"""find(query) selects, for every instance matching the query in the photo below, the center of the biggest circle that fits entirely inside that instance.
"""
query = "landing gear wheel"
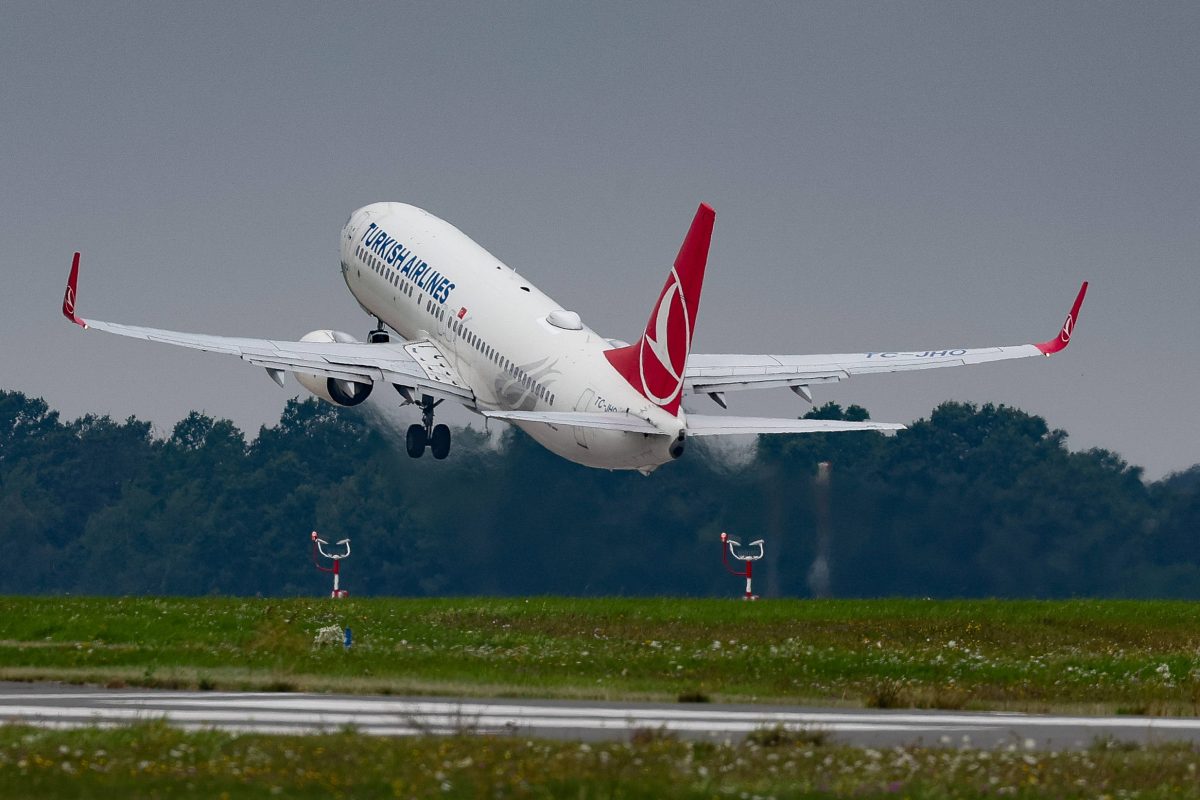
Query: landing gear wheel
(439, 442)
(424, 433)
(414, 441)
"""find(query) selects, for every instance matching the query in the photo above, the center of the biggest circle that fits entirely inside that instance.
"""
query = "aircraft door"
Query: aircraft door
(583, 436)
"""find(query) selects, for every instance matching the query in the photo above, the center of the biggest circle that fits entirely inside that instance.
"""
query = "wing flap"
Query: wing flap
(721, 372)
(704, 368)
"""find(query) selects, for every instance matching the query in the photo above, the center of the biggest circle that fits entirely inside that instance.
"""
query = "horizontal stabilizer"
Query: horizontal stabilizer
(697, 424)
(705, 425)
(578, 419)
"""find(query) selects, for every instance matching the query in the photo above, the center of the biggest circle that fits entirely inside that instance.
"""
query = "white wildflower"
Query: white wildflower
(331, 635)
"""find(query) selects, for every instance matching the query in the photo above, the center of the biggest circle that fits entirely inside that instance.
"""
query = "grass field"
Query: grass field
(1123, 656)
(153, 760)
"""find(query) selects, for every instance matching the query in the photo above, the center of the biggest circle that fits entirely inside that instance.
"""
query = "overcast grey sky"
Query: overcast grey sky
(886, 176)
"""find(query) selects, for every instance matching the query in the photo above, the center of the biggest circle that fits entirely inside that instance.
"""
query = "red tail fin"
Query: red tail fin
(655, 364)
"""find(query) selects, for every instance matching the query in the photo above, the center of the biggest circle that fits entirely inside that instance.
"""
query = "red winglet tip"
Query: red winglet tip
(68, 305)
(1064, 336)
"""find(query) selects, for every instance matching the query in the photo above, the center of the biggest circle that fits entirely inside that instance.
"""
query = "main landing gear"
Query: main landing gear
(425, 433)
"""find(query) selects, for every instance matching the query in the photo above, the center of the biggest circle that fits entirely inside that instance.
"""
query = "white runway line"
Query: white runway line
(282, 713)
(512, 711)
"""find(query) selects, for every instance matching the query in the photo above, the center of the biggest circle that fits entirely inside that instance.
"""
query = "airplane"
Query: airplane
(472, 330)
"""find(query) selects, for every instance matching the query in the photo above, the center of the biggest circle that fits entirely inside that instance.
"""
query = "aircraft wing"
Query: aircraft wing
(715, 374)
(419, 365)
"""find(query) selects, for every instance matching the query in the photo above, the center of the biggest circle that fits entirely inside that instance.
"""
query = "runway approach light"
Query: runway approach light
(748, 555)
(318, 548)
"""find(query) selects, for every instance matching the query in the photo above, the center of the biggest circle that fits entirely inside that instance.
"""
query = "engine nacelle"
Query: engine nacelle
(332, 390)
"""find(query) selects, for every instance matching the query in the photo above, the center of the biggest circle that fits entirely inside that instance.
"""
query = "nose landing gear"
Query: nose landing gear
(379, 335)
(425, 433)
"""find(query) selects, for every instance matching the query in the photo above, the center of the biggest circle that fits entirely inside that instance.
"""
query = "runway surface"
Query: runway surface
(56, 705)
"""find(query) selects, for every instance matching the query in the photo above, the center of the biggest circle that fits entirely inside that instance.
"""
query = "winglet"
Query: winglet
(68, 306)
(1064, 336)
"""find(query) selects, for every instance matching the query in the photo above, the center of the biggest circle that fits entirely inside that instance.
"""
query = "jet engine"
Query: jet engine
(333, 390)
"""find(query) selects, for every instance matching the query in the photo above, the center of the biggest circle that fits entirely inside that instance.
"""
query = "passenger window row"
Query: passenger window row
(389, 275)
(509, 368)
(455, 324)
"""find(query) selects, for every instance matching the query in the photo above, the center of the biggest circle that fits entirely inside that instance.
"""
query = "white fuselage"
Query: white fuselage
(427, 280)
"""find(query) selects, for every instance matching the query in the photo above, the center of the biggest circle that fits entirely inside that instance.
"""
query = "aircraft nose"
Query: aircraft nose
(362, 217)
(354, 221)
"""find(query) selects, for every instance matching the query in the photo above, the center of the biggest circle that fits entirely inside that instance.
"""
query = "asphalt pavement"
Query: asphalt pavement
(59, 705)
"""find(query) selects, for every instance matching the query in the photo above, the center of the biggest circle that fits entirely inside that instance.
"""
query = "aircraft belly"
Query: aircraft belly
(605, 449)
(584, 386)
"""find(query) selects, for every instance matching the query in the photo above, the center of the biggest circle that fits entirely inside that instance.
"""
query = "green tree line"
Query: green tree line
(972, 501)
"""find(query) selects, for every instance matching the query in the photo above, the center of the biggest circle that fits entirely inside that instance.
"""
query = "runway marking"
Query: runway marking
(275, 713)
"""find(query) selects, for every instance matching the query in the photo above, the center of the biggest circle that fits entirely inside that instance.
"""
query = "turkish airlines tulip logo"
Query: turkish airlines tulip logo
(663, 353)
(69, 301)
(1067, 327)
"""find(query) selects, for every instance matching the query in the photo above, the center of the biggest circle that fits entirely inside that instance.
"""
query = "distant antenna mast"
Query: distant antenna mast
(732, 547)
(318, 547)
